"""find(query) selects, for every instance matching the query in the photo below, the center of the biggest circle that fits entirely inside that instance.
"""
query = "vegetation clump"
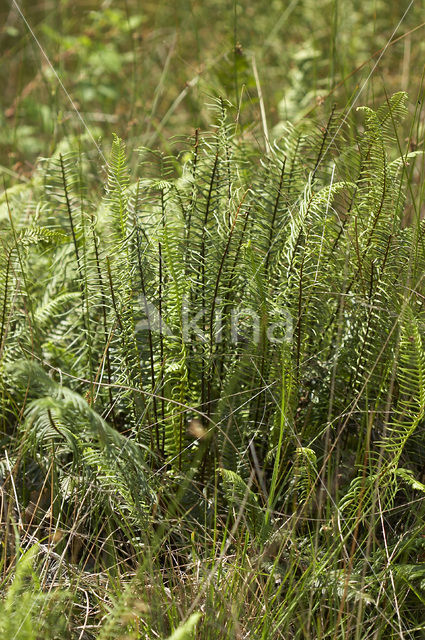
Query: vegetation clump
(212, 357)
(213, 386)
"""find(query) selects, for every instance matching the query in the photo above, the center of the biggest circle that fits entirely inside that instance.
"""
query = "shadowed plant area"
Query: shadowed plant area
(212, 357)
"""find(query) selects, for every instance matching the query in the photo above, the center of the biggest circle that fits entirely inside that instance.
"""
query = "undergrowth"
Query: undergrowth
(213, 388)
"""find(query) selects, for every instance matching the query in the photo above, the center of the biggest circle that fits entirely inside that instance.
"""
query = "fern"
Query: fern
(226, 337)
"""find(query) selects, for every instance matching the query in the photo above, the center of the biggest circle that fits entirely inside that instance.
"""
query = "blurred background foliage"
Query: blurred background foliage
(147, 69)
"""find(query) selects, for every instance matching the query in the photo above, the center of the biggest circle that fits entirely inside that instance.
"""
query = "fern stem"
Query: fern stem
(105, 324)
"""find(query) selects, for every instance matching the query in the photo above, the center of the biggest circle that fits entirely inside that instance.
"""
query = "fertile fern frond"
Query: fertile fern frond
(116, 188)
(410, 408)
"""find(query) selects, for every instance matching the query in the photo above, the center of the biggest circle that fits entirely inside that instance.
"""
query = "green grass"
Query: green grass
(212, 362)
